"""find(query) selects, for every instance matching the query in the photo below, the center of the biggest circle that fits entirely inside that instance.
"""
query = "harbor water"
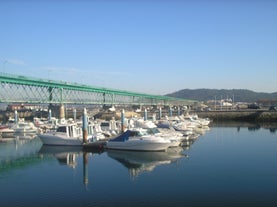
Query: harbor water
(225, 166)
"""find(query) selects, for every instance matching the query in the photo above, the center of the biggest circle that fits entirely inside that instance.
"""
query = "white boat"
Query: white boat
(109, 128)
(174, 137)
(67, 135)
(195, 120)
(138, 140)
(140, 123)
(6, 132)
(183, 127)
(24, 128)
(95, 132)
(6, 129)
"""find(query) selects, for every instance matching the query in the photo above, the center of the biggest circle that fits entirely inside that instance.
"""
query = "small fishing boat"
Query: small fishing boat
(138, 140)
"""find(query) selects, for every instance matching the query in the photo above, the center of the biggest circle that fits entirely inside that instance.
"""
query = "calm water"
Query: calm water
(227, 166)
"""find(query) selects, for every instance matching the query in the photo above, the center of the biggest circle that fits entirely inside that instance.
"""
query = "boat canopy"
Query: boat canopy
(122, 138)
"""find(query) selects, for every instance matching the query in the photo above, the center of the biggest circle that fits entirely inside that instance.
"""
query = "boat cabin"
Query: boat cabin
(70, 130)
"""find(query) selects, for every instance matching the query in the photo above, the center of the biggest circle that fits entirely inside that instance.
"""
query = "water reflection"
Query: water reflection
(10, 136)
(139, 162)
(18, 147)
(225, 168)
(66, 155)
(22, 152)
(135, 162)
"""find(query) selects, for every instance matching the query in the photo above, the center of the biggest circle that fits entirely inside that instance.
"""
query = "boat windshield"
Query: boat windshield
(142, 133)
(138, 133)
(153, 131)
(61, 129)
(104, 124)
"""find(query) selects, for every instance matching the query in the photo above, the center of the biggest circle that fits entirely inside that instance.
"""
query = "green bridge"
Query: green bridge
(22, 89)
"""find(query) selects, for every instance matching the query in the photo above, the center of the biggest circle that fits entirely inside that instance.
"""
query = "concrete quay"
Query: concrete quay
(245, 115)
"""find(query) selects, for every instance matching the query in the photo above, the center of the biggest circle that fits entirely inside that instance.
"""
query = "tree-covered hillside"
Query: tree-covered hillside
(240, 95)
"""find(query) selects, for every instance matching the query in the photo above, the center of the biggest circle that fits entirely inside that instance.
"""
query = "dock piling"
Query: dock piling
(122, 120)
(145, 114)
(74, 115)
(170, 111)
(15, 117)
(85, 126)
(49, 114)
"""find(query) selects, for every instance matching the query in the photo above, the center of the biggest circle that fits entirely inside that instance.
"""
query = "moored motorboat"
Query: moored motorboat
(67, 135)
(174, 137)
(24, 127)
(6, 131)
(138, 140)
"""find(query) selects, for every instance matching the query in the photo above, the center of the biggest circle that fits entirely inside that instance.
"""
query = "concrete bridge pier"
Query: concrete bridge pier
(62, 112)
(56, 111)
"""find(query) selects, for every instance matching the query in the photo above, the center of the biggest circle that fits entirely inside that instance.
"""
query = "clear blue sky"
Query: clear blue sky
(154, 47)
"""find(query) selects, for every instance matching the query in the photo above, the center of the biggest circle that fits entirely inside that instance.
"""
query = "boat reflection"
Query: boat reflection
(19, 136)
(139, 162)
(66, 155)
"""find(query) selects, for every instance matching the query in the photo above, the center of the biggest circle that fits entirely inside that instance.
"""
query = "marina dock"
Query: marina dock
(97, 145)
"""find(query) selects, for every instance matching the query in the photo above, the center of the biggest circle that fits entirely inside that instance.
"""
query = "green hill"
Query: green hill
(239, 95)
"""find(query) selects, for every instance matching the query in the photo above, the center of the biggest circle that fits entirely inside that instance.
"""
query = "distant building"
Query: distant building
(23, 107)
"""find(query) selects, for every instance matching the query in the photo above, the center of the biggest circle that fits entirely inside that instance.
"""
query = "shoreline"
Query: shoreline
(247, 115)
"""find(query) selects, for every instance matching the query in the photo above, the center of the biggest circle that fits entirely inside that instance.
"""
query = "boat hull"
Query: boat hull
(138, 145)
(48, 139)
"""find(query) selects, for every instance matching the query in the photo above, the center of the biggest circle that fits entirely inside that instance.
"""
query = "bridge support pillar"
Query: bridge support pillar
(62, 114)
